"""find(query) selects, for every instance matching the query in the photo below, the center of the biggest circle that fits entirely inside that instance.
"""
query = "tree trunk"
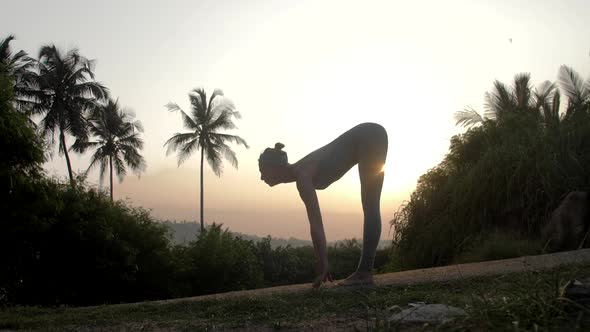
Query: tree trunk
(202, 221)
(62, 139)
(111, 169)
(202, 201)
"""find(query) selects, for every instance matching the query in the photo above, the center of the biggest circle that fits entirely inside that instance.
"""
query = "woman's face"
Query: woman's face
(270, 175)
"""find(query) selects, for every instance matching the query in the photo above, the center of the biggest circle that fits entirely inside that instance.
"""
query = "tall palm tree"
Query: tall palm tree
(19, 67)
(117, 141)
(64, 88)
(503, 100)
(204, 123)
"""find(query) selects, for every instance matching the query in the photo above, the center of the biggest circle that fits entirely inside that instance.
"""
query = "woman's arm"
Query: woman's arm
(318, 237)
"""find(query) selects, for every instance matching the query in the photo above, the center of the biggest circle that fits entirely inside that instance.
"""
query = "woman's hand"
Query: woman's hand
(324, 276)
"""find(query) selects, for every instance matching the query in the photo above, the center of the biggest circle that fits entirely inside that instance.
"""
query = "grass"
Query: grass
(515, 302)
(499, 245)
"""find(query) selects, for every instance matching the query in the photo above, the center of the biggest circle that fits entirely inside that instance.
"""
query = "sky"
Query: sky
(300, 73)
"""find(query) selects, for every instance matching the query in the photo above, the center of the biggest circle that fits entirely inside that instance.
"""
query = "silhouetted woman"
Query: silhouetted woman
(365, 145)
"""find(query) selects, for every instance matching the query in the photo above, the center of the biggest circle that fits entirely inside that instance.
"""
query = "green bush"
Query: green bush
(218, 261)
(508, 173)
(72, 245)
(288, 265)
(21, 152)
(285, 265)
(64, 245)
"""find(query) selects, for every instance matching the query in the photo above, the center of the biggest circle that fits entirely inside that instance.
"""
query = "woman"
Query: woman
(365, 145)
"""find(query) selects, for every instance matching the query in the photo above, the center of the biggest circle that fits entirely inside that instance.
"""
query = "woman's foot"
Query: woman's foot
(358, 279)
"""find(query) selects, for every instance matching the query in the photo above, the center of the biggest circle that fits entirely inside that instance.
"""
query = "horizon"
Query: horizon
(301, 74)
(178, 238)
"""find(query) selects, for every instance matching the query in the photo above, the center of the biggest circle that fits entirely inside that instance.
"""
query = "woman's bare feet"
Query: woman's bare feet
(358, 279)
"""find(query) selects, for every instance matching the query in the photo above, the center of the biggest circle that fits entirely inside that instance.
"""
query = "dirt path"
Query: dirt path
(437, 274)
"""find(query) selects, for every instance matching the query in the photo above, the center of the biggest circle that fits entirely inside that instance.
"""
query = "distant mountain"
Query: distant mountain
(186, 231)
(183, 231)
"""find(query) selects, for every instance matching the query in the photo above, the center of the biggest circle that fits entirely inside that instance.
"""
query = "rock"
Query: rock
(566, 230)
(427, 313)
(577, 291)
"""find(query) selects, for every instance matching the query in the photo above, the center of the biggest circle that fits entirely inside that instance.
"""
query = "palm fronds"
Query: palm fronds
(207, 117)
(573, 85)
(117, 141)
(468, 117)
(62, 91)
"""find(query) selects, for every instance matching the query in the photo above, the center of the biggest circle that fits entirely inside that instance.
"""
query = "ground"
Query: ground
(521, 293)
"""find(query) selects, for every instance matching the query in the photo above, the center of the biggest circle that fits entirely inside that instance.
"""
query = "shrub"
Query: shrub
(72, 245)
(218, 261)
(509, 173)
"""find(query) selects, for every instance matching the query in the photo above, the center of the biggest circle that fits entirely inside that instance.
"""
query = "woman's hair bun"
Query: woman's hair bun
(274, 156)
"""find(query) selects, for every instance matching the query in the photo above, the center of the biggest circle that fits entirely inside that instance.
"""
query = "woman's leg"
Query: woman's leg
(371, 176)
(371, 161)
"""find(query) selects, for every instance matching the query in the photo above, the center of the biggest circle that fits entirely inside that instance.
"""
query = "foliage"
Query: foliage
(72, 245)
(62, 90)
(508, 172)
(218, 261)
(117, 141)
(285, 265)
(18, 66)
(20, 148)
(60, 244)
(64, 245)
(14, 64)
(21, 157)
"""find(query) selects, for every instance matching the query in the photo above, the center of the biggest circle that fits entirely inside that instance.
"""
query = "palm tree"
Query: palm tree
(17, 63)
(19, 68)
(576, 90)
(503, 100)
(204, 123)
(118, 142)
(544, 100)
(64, 89)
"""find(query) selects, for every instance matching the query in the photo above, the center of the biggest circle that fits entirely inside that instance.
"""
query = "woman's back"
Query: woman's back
(333, 160)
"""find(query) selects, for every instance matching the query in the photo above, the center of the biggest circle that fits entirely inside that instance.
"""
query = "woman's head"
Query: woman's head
(272, 163)
(273, 156)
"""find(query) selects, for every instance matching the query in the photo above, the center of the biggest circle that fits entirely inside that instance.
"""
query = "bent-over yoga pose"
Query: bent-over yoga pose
(365, 145)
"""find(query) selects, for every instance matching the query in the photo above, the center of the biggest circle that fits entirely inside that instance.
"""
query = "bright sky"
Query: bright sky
(301, 72)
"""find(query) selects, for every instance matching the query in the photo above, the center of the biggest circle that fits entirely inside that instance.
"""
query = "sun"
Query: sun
(399, 177)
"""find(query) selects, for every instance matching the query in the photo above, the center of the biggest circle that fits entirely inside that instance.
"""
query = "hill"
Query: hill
(183, 232)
